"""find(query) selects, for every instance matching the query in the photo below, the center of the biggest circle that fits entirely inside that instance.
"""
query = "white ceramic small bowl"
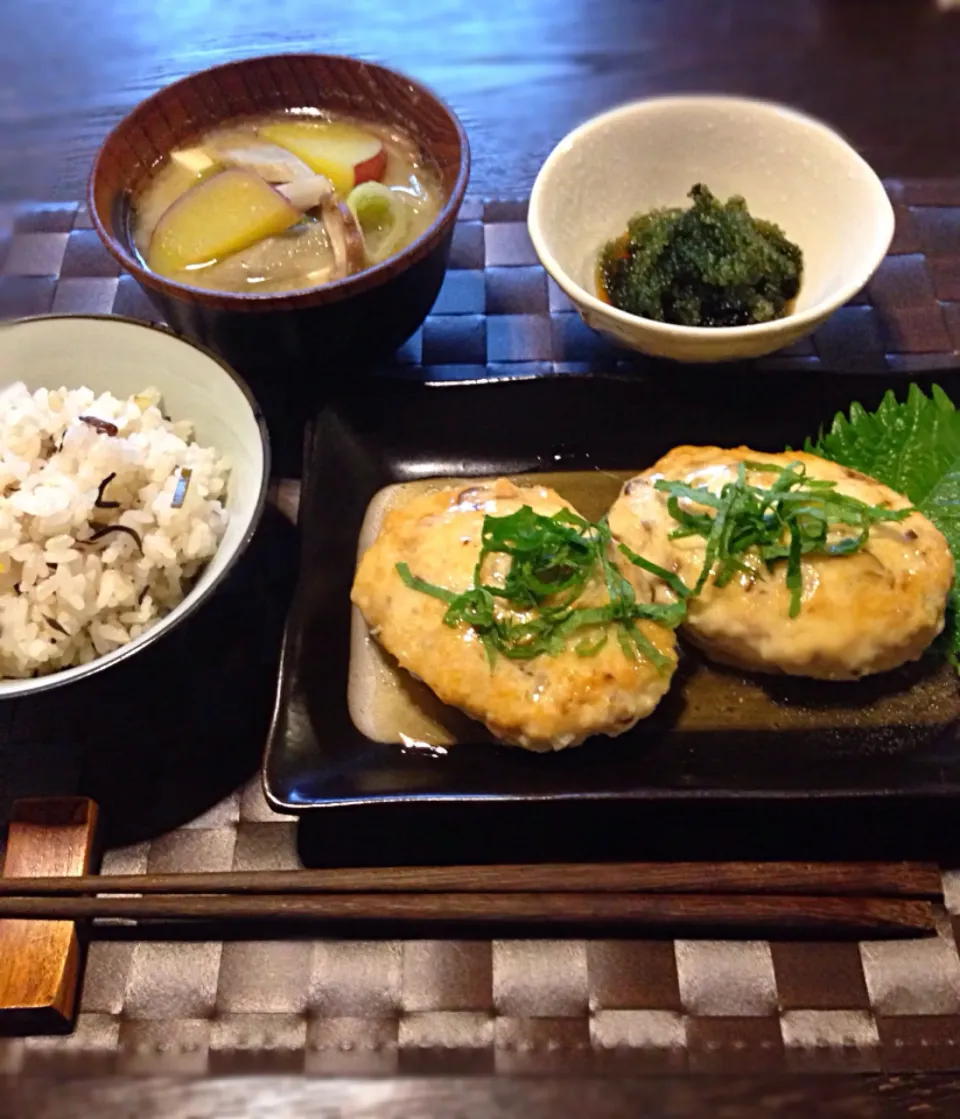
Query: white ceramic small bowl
(121, 356)
(791, 170)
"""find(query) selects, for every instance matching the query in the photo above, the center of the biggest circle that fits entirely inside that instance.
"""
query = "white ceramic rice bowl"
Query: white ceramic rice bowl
(790, 168)
(111, 354)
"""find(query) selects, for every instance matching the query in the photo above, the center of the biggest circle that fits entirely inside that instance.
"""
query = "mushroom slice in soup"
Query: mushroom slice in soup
(269, 161)
(346, 240)
(306, 194)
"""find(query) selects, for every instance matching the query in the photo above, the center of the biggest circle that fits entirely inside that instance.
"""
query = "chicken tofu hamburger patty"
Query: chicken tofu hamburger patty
(862, 613)
(545, 703)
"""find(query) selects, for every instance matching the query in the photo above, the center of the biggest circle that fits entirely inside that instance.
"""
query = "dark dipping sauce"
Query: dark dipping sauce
(711, 265)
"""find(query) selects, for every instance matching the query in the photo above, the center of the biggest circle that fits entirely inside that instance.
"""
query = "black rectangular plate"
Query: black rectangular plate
(391, 431)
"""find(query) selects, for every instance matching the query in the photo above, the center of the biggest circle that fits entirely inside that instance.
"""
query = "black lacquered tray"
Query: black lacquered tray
(718, 734)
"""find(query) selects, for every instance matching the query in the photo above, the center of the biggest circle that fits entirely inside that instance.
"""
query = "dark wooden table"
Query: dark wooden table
(288, 1097)
(520, 74)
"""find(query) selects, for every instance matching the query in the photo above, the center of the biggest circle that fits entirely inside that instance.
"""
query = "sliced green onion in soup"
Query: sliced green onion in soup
(383, 216)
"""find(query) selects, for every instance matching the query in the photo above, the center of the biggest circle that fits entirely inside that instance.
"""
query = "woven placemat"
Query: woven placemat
(169, 745)
(499, 312)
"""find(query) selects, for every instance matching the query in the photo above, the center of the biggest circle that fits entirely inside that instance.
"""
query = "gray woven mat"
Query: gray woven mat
(169, 745)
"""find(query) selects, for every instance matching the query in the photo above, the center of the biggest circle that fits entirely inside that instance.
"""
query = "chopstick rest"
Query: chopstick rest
(40, 962)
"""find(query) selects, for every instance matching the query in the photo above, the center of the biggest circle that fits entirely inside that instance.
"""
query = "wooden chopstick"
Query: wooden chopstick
(867, 879)
(654, 912)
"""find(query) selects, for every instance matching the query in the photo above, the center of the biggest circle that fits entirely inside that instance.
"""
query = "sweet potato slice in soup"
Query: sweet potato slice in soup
(217, 217)
(347, 155)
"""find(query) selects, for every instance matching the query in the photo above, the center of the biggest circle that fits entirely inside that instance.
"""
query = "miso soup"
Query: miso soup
(281, 202)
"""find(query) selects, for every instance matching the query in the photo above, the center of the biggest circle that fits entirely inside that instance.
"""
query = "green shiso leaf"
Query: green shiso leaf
(912, 446)
(551, 560)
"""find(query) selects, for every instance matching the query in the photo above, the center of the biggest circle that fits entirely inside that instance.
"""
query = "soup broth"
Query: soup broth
(282, 202)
